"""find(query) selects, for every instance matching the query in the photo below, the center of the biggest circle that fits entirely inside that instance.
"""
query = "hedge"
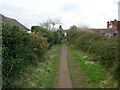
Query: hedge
(20, 50)
(104, 50)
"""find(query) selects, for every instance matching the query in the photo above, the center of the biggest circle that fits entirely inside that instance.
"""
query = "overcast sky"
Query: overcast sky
(94, 13)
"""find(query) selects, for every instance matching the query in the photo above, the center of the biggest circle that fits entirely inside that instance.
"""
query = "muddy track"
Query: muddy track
(64, 80)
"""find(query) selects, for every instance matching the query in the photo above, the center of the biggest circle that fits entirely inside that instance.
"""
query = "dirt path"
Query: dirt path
(64, 80)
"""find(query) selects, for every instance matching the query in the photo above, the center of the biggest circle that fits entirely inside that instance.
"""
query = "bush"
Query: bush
(53, 37)
(105, 50)
(19, 51)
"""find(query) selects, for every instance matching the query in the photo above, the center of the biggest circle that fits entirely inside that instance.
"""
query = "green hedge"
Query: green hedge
(104, 50)
(19, 51)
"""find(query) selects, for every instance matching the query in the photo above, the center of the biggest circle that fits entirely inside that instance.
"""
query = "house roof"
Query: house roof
(12, 21)
(64, 31)
(109, 31)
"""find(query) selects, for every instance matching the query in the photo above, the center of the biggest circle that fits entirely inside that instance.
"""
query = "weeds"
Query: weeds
(96, 75)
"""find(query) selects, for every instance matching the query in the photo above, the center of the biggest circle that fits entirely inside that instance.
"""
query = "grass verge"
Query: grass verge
(44, 74)
(87, 74)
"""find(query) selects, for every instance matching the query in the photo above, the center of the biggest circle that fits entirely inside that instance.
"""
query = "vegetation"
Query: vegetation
(104, 50)
(50, 24)
(53, 36)
(44, 74)
(26, 63)
(19, 51)
(88, 74)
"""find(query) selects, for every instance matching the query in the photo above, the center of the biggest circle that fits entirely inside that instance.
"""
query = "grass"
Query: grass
(87, 74)
(43, 75)
(77, 78)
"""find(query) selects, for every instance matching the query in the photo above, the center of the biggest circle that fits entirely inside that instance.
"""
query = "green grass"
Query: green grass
(95, 76)
(77, 77)
(43, 75)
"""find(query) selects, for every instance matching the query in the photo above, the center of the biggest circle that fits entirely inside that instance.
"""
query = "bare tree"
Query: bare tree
(45, 24)
(50, 23)
(83, 27)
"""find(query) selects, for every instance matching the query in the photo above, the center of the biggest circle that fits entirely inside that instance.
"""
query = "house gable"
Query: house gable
(12, 21)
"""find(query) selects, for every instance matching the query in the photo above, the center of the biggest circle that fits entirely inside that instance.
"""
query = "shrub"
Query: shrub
(53, 37)
(19, 51)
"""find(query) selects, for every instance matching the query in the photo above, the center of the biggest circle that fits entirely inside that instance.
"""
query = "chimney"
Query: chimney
(108, 25)
(115, 24)
(111, 25)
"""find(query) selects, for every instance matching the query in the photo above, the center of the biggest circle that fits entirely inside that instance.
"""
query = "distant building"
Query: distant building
(107, 33)
(62, 32)
(112, 28)
(113, 25)
(65, 32)
(12, 21)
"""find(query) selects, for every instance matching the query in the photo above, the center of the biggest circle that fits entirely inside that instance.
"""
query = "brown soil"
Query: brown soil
(64, 80)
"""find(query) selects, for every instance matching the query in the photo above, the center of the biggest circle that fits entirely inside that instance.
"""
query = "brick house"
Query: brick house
(107, 32)
(113, 25)
(112, 29)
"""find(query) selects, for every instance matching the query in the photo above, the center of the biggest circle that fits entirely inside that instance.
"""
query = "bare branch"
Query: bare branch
(50, 23)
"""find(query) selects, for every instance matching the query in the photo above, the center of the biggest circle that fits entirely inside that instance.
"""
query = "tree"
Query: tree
(73, 27)
(83, 27)
(49, 24)
(37, 29)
